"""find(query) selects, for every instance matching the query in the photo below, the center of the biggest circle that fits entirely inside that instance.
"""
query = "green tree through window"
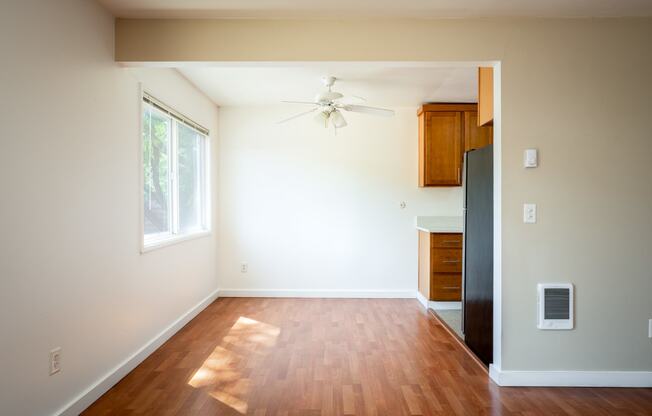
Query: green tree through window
(174, 176)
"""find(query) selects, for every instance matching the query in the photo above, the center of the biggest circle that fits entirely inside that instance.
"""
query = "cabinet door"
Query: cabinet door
(485, 95)
(476, 137)
(443, 148)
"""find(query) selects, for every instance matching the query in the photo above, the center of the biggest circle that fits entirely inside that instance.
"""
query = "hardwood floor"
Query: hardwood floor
(333, 357)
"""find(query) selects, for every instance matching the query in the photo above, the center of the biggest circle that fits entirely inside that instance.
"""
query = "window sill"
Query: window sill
(171, 240)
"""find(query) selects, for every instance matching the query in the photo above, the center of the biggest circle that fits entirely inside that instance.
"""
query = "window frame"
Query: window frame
(174, 235)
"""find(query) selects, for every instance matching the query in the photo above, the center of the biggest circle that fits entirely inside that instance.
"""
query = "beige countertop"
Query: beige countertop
(440, 224)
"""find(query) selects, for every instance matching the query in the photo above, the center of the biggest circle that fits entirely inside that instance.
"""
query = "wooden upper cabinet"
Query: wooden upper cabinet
(441, 143)
(442, 147)
(485, 96)
(446, 131)
(476, 137)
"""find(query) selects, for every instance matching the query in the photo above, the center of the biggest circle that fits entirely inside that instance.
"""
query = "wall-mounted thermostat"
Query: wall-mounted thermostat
(530, 158)
(555, 304)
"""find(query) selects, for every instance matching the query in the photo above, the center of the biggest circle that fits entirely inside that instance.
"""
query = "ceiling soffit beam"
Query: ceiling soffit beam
(206, 40)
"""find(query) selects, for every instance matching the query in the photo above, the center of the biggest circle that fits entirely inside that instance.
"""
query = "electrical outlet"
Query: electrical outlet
(649, 328)
(244, 267)
(55, 360)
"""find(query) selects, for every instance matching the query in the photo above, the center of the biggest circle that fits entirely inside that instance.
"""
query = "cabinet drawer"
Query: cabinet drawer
(446, 260)
(450, 240)
(446, 286)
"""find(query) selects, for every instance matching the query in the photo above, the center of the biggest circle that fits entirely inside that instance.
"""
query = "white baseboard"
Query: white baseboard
(445, 306)
(436, 305)
(571, 378)
(94, 392)
(292, 293)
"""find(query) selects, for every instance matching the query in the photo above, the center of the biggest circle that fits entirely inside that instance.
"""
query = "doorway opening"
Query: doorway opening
(354, 185)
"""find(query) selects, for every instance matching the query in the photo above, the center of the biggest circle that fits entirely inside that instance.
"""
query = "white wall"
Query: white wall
(310, 210)
(71, 274)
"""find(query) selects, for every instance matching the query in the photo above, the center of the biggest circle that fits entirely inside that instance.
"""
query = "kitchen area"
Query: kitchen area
(455, 272)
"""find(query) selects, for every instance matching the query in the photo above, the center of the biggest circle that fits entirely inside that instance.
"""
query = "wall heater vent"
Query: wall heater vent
(555, 305)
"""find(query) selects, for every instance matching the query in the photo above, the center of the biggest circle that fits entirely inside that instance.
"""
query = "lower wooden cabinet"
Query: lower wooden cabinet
(440, 266)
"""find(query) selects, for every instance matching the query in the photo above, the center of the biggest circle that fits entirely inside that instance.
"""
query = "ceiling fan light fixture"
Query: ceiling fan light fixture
(329, 109)
(338, 119)
(323, 117)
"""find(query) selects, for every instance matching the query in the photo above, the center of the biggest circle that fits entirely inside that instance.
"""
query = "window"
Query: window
(175, 192)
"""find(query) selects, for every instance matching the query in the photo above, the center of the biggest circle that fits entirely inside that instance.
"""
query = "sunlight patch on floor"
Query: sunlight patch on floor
(219, 375)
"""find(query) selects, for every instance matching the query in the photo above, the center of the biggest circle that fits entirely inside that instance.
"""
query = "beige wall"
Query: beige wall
(579, 90)
(71, 272)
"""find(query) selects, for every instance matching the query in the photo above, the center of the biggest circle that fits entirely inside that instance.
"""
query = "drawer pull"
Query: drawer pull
(450, 242)
(451, 261)
(450, 287)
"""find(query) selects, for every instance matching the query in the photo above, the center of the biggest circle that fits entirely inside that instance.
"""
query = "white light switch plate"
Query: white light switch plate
(529, 213)
(530, 158)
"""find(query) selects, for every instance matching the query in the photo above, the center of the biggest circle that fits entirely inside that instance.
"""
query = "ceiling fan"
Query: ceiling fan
(329, 105)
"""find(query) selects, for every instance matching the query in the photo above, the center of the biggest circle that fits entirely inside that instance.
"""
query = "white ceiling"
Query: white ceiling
(391, 85)
(375, 8)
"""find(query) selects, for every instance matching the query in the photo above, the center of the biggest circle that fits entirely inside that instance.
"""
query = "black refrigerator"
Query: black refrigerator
(477, 277)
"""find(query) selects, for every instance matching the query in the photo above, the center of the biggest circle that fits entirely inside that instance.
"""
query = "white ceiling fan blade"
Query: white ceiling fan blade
(352, 99)
(338, 119)
(298, 115)
(368, 110)
(301, 102)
